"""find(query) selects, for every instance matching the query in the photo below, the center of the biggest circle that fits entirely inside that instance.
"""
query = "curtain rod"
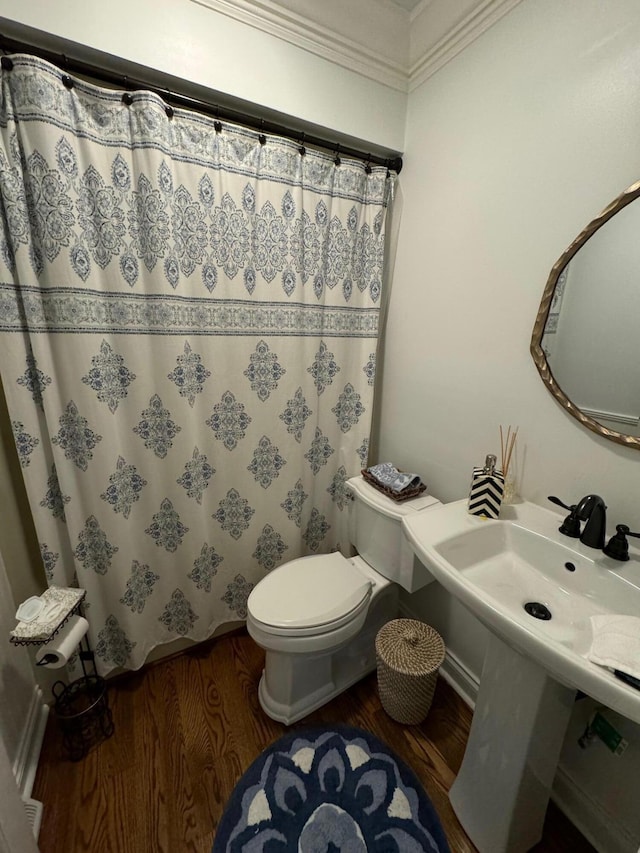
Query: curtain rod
(179, 99)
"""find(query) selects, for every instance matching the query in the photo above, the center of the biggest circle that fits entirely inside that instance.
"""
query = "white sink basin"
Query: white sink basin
(496, 567)
(532, 667)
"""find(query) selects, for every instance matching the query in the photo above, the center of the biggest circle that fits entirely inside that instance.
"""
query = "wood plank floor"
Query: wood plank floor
(188, 727)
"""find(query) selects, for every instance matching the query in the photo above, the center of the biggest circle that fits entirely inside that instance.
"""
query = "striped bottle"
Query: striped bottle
(487, 488)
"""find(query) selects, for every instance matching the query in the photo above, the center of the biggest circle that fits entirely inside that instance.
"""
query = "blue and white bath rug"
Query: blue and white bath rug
(337, 790)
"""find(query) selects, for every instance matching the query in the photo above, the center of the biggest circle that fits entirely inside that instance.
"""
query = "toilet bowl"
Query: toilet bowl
(317, 617)
(311, 604)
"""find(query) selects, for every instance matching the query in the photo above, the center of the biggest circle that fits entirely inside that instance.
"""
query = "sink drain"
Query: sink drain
(538, 610)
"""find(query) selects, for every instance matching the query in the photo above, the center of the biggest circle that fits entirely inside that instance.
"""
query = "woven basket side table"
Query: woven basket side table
(409, 654)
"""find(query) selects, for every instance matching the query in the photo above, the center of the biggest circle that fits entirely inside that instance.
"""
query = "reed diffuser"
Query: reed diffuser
(507, 444)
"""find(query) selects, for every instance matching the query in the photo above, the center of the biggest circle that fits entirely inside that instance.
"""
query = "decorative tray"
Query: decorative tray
(59, 604)
(398, 497)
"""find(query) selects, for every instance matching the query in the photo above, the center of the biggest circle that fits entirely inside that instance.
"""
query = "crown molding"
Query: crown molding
(483, 16)
(346, 51)
(302, 32)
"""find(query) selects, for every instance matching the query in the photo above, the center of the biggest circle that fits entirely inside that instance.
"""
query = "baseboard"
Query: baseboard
(461, 679)
(598, 826)
(26, 761)
(454, 672)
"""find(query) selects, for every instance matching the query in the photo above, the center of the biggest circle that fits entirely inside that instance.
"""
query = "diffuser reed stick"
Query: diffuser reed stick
(507, 443)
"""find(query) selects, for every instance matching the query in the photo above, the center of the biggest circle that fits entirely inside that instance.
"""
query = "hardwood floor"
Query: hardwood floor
(188, 727)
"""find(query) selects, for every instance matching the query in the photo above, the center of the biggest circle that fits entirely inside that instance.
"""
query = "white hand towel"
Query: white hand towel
(616, 642)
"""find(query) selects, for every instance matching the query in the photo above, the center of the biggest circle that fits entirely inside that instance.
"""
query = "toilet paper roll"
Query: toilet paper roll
(56, 654)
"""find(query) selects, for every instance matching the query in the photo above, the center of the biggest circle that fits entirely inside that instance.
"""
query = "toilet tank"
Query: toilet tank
(375, 531)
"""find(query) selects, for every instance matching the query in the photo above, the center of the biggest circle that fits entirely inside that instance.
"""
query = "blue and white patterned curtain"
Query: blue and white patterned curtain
(188, 329)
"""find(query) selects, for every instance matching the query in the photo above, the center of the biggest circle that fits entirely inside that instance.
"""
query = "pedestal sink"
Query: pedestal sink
(535, 590)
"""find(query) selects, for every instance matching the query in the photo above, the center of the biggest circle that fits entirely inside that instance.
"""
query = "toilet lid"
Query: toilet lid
(308, 592)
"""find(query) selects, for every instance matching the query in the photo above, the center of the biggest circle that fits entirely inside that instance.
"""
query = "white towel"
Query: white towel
(616, 642)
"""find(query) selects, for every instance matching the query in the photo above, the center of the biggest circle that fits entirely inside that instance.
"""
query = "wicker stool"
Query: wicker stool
(409, 654)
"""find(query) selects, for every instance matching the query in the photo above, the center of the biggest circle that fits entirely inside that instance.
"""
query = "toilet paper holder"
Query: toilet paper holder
(66, 643)
(81, 707)
(74, 608)
(83, 713)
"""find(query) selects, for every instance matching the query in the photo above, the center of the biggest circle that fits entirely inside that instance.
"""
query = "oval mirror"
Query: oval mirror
(585, 341)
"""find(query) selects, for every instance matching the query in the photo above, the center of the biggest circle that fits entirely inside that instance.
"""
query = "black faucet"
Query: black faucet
(617, 547)
(592, 509)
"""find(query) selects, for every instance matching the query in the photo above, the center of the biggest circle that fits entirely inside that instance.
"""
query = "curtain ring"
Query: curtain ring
(337, 159)
(127, 98)
(367, 165)
(262, 139)
(67, 81)
(6, 63)
(168, 109)
(217, 124)
(302, 149)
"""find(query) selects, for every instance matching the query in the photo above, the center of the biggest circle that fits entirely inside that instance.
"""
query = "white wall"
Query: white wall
(21, 730)
(15, 832)
(511, 149)
(17, 680)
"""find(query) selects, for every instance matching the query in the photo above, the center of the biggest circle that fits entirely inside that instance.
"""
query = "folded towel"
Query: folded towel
(387, 475)
(616, 642)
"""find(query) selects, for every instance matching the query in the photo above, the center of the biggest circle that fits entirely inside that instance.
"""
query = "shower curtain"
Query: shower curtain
(188, 330)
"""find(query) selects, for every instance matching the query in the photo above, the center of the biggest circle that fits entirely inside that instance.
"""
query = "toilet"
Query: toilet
(317, 617)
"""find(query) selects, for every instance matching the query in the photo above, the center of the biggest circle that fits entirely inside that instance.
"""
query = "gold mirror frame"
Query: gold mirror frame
(625, 198)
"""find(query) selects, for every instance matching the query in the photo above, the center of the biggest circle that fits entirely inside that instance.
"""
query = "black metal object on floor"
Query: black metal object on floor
(82, 708)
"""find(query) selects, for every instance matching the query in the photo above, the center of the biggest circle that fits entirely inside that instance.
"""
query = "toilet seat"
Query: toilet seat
(309, 596)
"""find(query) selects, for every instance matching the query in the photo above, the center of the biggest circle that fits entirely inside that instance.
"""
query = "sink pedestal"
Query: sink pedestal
(501, 792)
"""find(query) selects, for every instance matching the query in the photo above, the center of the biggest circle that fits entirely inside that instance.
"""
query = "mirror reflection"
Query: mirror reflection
(585, 342)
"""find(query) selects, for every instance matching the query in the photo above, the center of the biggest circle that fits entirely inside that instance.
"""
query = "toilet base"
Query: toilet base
(294, 685)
